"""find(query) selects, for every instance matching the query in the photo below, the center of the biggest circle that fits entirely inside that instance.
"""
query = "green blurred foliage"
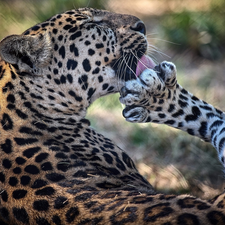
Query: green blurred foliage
(18, 15)
(202, 33)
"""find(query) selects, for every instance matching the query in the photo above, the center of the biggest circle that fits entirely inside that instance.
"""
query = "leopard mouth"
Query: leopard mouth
(144, 62)
(132, 67)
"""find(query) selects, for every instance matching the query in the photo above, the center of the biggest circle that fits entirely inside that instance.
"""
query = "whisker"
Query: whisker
(170, 42)
(130, 68)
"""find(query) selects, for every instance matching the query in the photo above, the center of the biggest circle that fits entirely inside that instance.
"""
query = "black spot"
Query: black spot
(142, 200)
(91, 91)
(31, 169)
(71, 214)
(39, 183)
(80, 173)
(30, 152)
(169, 122)
(6, 163)
(73, 94)
(107, 185)
(120, 164)
(99, 45)
(90, 204)
(193, 117)
(86, 65)
(4, 196)
(106, 59)
(56, 220)
(7, 87)
(62, 52)
(54, 177)
(72, 30)
(25, 180)
(6, 122)
(36, 96)
(28, 130)
(203, 129)
(25, 141)
(128, 161)
(87, 43)
(104, 86)
(190, 131)
(5, 214)
(67, 27)
(108, 158)
(96, 70)
(182, 104)
(10, 106)
(83, 197)
(216, 217)
(45, 191)
(18, 194)
(178, 113)
(10, 98)
(221, 145)
(71, 64)
(216, 124)
(2, 177)
(75, 35)
(21, 215)
(13, 181)
(46, 166)
(41, 205)
(91, 52)
(61, 155)
(161, 115)
(54, 31)
(42, 221)
(7, 146)
(93, 36)
(21, 114)
(98, 63)
(62, 80)
(187, 219)
(55, 71)
(20, 160)
(60, 64)
(100, 79)
(206, 107)
(17, 170)
(56, 47)
(186, 203)
(70, 78)
(60, 202)
(43, 25)
(125, 216)
(42, 156)
(151, 214)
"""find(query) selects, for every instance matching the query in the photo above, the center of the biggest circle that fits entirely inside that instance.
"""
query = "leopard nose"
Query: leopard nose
(140, 27)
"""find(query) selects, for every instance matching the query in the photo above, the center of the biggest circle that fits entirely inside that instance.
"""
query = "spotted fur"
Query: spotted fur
(54, 168)
(157, 97)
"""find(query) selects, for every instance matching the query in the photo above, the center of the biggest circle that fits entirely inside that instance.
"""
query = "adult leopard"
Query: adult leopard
(54, 168)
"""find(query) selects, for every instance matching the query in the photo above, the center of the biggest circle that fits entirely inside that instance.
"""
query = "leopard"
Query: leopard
(55, 169)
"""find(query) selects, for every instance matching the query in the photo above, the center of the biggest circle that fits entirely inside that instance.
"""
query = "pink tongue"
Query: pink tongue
(144, 63)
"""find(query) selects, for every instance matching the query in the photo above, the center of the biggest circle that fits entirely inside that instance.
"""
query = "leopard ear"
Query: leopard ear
(28, 52)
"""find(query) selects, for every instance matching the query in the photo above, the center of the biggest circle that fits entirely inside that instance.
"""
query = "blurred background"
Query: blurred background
(189, 33)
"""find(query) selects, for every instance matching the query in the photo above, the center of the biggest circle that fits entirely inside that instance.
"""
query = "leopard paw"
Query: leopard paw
(136, 114)
(151, 83)
(167, 72)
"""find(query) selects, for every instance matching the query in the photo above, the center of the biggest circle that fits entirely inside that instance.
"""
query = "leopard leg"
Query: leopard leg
(155, 96)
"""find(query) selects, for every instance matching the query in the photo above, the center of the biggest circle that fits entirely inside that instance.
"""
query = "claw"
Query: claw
(123, 92)
(160, 72)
